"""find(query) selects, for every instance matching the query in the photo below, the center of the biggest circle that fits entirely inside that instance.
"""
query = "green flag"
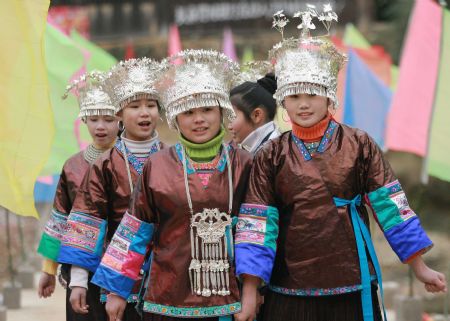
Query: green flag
(354, 38)
(99, 58)
(247, 56)
(63, 59)
(439, 153)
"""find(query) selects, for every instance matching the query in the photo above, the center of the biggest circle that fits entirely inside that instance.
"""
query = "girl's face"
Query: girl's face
(240, 127)
(200, 125)
(307, 110)
(139, 119)
(103, 130)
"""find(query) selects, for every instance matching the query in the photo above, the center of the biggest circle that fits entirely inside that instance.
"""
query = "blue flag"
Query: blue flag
(367, 99)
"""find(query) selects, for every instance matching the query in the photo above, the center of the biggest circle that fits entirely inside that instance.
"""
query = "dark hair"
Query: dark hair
(250, 95)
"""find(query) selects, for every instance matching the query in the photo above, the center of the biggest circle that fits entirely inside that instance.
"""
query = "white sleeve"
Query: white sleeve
(78, 277)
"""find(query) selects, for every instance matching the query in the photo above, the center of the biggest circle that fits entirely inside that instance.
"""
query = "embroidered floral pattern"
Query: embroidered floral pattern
(309, 149)
(214, 311)
(205, 170)
(255, 210)
(133, 298)
(251, 225)
(190, 168)
(327, 136)
(83, 231)
(137, 162)
(117, 253)
(319, 291)
(397, 195)
(57, 225)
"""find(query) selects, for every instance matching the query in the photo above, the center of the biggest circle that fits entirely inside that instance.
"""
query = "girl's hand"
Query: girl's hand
(115, 306)
(249, 306)
(434, 281)
(46, 285)
(249, 299)
(78, 300)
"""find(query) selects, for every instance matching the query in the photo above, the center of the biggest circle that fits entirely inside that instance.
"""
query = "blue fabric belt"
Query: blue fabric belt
(362, 237)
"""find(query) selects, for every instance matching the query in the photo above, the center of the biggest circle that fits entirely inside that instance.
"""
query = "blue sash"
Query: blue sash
(362, 237)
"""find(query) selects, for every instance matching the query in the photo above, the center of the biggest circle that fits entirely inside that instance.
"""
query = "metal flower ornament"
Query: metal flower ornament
(327, 16)
(279, 22)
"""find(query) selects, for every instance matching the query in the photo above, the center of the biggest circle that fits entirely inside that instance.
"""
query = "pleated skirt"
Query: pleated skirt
(344, 307)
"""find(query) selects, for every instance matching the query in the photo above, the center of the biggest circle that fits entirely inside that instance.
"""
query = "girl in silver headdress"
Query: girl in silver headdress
(185, 203)
(98, 113)
(105, 192)
(303, 227)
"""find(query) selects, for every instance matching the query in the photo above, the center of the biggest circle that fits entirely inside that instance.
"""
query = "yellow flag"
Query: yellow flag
(26, 120)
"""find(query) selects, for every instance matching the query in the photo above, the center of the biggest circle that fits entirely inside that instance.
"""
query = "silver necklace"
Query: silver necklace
(91, 153)
(210, 269)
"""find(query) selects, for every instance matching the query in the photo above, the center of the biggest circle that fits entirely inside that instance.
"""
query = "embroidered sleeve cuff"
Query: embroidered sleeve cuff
(125, 256)
(112, 281)
(53, 233)
(400, 224)
(256, 237)
(408, 239)
(83, 242)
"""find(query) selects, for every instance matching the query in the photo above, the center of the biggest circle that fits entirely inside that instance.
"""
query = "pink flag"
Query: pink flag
(409, 118)
(174, 42)
(228, 44)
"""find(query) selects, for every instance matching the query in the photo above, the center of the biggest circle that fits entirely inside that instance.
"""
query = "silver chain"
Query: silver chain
(127, 165)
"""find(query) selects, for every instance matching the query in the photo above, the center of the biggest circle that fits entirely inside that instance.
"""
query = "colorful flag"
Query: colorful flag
(64, 59)
(228, 44)
(420, 111)
(247, 56)
(439, 152)
(174, 45)
(409, 118)
(367, 99)
(26, 129)
(354, 38)
(99, 59)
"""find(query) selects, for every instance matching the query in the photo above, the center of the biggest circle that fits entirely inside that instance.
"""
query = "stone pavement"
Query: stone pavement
(36, 309)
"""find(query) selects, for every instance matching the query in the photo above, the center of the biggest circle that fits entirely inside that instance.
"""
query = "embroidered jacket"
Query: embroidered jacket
(159, 213)
(98, 208)
(290, 232)
(70, 179)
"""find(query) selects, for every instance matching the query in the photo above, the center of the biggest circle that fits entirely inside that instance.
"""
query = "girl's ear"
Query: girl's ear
(258, 116)
(331, 106)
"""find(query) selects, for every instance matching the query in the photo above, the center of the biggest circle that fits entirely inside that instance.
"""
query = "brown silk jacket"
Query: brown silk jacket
(316, 248)
(160, 201)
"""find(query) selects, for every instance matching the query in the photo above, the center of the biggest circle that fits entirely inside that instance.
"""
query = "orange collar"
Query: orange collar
(313, 133)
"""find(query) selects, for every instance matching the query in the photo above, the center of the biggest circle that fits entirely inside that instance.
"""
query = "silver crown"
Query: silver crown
(92, 99)
(306, 64)
(193, 79)
(252, 71)
(130, 80)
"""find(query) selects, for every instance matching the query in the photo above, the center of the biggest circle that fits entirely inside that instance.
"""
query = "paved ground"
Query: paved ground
(35, 309)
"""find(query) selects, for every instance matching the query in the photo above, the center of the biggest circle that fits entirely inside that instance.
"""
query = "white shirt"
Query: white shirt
(140, 148)
(254, 141)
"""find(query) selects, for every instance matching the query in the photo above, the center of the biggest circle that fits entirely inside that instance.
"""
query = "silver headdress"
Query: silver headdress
(308, 64)
(92, 99)
(202, 78)
(252, 71)
(130, 80)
